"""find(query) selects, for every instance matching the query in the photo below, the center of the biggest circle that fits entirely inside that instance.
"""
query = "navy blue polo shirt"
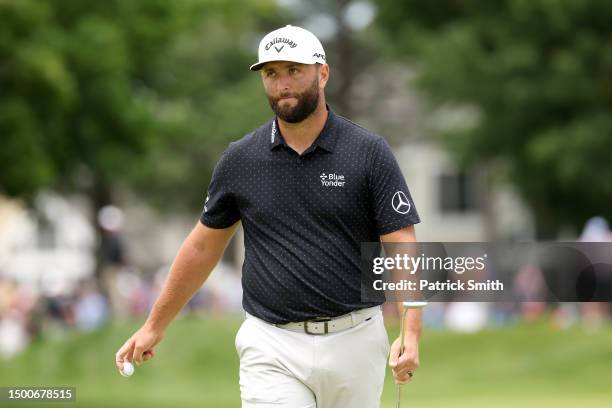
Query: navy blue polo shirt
(305, 216)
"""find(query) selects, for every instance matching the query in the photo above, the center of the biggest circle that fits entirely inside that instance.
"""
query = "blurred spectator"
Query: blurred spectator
(594, 314)
(16, 306)
(13, 335)
(529, 285)
(110, 219)
(124, 288)
(117, 279)
(596, 229)
(91, 310)
(503, 314)
(434, 315)
(467, 317)
(565, 315)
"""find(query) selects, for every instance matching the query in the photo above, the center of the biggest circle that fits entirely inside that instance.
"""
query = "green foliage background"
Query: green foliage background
(538, 73)
(141, 93)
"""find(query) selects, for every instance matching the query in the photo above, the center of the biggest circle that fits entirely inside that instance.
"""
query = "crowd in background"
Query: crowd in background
(124, 292)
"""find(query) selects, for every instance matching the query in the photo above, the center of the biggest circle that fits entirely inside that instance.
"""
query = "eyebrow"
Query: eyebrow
(283, 67)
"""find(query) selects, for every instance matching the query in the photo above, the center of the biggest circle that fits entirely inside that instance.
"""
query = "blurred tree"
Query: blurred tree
(115, 96)
(537, 75)
(141, 94)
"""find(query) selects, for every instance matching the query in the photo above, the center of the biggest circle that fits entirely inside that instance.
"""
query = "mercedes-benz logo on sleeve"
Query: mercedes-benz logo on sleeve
(400, 202)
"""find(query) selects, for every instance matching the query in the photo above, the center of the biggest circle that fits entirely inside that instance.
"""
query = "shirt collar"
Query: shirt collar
(326, 140)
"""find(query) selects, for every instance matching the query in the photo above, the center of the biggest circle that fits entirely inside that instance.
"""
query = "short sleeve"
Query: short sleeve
(391, 201)
(220, 209)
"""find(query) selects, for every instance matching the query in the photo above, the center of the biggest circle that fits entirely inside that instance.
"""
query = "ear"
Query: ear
(323, 72)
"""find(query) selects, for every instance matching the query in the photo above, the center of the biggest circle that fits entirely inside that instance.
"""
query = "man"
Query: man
(308, 186)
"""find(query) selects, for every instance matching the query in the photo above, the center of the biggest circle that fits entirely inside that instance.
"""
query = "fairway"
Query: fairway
(196, 366)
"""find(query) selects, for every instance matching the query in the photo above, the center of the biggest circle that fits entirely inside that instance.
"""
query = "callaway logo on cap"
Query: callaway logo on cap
(290, 43)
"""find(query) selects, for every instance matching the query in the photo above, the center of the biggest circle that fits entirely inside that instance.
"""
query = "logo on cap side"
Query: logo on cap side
(317, 55)
(278, 40)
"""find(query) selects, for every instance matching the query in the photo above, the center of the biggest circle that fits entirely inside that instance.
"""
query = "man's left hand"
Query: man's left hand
(404, 367)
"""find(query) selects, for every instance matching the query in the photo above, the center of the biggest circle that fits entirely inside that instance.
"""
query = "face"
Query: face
(293, 89)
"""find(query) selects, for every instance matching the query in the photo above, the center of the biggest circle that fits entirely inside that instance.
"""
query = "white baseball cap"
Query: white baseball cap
(290, 43)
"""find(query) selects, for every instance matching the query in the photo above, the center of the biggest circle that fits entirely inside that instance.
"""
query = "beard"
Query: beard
(307, 102)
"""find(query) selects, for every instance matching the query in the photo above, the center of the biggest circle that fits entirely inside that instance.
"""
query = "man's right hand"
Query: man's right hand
(139, 348)
(196, 258)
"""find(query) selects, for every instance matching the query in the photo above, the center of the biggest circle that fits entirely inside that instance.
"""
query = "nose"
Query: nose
(283, 83)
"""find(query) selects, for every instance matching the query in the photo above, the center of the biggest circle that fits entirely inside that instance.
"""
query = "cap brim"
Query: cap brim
(259, 65)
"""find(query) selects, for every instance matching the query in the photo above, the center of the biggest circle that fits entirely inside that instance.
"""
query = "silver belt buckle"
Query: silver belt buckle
(324, 320)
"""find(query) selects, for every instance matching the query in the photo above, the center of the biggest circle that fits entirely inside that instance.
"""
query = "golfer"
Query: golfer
(308, 186)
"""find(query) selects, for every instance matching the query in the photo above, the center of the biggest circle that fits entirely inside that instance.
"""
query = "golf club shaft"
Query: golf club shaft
(398, 396)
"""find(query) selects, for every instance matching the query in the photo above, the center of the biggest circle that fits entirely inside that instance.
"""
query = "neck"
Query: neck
(301, 135)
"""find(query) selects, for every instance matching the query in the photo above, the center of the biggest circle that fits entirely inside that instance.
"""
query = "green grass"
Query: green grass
(197, 366)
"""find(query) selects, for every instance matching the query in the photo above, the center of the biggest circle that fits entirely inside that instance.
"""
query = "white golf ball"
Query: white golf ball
(128, 369)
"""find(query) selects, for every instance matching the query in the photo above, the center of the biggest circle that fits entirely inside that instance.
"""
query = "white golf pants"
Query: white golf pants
(280, 368)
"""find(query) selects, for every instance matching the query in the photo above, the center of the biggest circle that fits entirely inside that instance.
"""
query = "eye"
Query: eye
(293, 70)
(269, 74)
